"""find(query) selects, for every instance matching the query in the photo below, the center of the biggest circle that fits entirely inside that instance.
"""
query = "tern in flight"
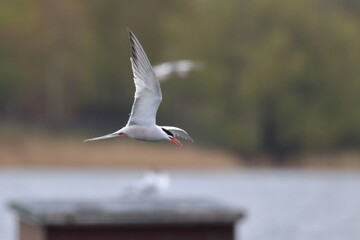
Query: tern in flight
(142, 122)
(181, 68)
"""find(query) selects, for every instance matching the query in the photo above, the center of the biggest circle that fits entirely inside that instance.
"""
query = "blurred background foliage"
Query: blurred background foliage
(281, 77)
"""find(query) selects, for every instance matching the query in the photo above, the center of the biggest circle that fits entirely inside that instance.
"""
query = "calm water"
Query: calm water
(281, 205)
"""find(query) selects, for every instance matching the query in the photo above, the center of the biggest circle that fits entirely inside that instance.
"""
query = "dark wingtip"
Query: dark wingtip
(131, 34)
(132, 44)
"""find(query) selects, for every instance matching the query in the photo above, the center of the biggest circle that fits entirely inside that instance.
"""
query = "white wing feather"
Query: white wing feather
(178, 132)
(148, 93)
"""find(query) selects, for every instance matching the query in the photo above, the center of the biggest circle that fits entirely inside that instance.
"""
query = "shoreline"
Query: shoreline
(47, 151)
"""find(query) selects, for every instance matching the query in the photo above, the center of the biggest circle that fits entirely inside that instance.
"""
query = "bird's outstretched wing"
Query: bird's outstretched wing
(178, 132)
(148, 93)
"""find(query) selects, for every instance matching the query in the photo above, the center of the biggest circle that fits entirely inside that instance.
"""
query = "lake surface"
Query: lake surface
(280, 204)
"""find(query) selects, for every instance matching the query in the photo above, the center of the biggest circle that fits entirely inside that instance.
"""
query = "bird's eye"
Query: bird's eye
(121, 133)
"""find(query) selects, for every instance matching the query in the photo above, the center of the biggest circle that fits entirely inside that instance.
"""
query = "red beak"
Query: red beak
(175, 141)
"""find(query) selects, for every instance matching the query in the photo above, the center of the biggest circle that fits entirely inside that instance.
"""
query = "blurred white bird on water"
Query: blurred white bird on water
(153, 183)
(181, 68)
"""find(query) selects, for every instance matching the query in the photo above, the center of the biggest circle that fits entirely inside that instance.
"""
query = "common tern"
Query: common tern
(142, 122)
(151, 184)
(181, 68)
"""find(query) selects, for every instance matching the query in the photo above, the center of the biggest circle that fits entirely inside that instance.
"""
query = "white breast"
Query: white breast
(149, 133)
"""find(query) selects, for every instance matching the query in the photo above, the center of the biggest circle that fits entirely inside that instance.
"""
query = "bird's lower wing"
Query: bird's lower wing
(178, 132)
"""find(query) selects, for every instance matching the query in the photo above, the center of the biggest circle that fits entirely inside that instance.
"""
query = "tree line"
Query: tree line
(281, 76)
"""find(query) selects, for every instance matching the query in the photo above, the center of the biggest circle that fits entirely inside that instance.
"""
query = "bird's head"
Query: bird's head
(171, 137)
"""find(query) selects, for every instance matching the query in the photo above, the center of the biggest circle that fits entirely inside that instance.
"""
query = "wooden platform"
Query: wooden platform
(129, 219)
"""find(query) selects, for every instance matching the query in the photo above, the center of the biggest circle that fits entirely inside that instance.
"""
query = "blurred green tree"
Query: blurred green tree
(281, 76)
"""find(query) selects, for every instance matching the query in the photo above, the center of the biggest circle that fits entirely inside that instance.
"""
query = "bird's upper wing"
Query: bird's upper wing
(178, 132)
(148, 93)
